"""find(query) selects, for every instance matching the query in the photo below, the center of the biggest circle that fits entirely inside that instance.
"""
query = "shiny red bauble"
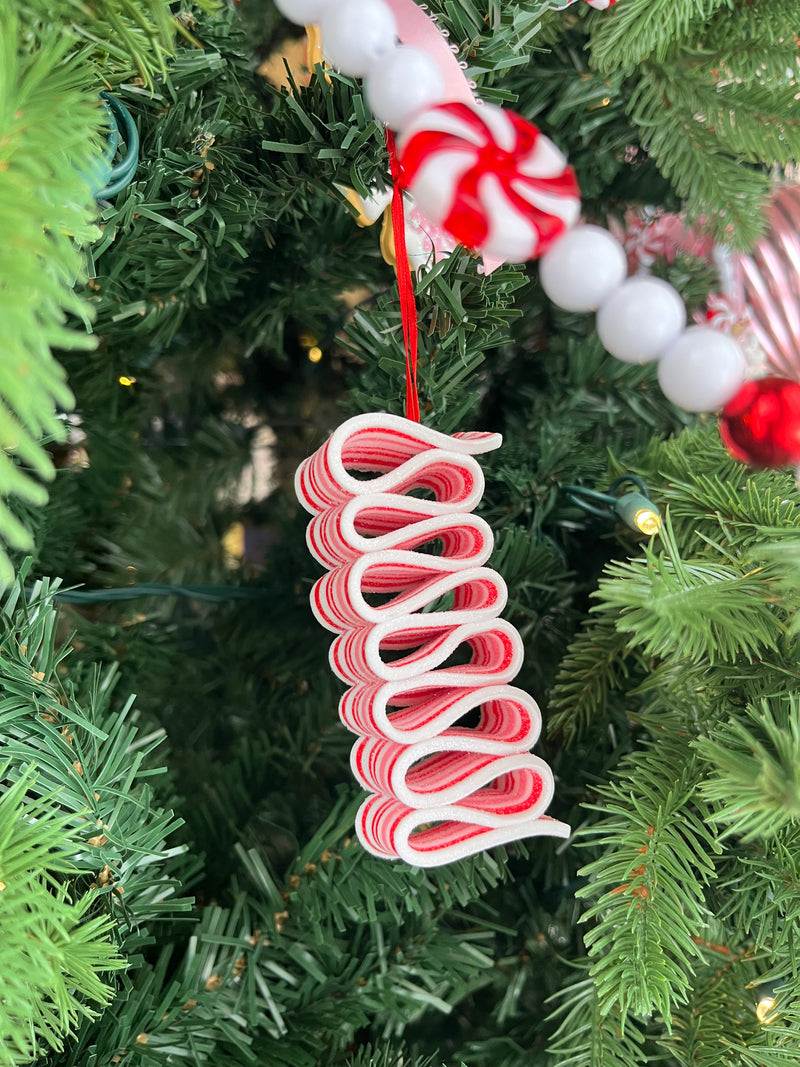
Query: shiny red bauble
(761, 424)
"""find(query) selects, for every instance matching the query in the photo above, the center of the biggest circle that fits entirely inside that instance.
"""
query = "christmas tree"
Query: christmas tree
(189, 309)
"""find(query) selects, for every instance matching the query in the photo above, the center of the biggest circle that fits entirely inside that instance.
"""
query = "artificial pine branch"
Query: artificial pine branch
(54, 953)
(461, 314)
(588, 1036)
(49, 144)
(717, 1025)
(721, 517)
(647, 885)
(390, 1057)
(51, 139)
(700, 120)
(755, 758)
(728, 196)
(691, 609)
(759, 893)
(121, 36)
(641, 31)
(594, 668)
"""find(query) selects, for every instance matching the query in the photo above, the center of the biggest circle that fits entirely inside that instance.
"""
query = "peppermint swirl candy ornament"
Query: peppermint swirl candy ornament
(439, 790)
(490, 178)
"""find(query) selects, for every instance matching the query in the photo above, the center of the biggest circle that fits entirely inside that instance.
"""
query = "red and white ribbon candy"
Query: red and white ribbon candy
(440, 790)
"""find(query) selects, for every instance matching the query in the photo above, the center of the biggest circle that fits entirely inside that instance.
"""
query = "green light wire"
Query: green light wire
(589, 499)
(208, 593)
(122, 174)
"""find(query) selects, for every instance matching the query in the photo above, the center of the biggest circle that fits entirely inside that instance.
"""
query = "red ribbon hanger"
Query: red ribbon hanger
(405, 285)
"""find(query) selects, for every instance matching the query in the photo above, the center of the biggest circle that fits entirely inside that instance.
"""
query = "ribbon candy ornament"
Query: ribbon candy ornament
(439, 790)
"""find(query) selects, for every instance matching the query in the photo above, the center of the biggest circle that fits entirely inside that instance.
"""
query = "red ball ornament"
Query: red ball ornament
(490, 178)
(761, 425)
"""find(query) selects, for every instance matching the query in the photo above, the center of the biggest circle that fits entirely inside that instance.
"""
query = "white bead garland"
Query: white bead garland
(586, 254)
(303, 12)
(702, 370)
(641, 319)
(357, 33)
(401, 84)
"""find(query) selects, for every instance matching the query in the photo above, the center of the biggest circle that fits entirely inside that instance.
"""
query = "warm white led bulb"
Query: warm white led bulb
(764, 1008)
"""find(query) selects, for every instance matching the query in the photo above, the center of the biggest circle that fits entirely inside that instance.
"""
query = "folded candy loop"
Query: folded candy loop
(428, 641)
(382, 521)
(402, 454)
(443, 738)
(338, 599)
(431, 837)
(430, 706)
(480, 772)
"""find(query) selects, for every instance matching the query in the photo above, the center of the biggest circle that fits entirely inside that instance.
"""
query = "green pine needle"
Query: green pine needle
(647, 29)
(647, 885)
(754, 762)
(53, 952)
(41, 90)
(696, 609)
(590, 1037)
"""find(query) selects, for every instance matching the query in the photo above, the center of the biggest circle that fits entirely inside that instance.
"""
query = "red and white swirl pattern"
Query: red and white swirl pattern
(490, 178)
(443, 746)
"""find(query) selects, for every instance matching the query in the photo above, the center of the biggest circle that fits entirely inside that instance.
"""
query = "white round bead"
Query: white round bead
(355, 33)
(641, 319)
(401, 84)
(583, 268)
(702, 370)
(303, 12)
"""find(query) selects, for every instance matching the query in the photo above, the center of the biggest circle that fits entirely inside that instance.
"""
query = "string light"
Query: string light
(311, 344)
(763, 1009)
(126, 380)
(635, 509)
(233, 542)
(638, 512)
(648, 521)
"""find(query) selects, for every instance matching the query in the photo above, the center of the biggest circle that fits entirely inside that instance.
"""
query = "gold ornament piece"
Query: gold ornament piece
(314, 49)
(369, 211)
(387, 239)
(300, 55)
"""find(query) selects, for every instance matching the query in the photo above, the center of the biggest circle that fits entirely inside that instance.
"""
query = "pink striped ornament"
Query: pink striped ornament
(768, 280)
(439, 791)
